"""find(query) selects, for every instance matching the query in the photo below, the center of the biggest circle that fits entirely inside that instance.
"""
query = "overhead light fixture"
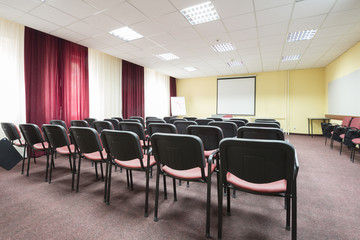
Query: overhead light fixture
(167, 56)
(234, 63)
(223, 47)
(201, 13)
(190, 69)
(126, 34)
(291, 57)
(302, 35)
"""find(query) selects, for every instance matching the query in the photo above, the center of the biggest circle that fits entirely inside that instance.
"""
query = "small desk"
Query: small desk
(310, 124)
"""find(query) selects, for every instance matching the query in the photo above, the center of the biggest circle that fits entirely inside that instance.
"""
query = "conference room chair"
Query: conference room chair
(138, 129)
(181, 126)
(150, 117)
(118, 118)
(59, 141)
(130, 120)
(262, 167)
(203, 121)
(182, 157)
(101, 125)
(114, 122)
(350, 133)
(260, 133)
(265, 120)
(190, 118)
(35, 141)
(172, 120)
(167, 119)
(13, 134)
(154, 120)
(241, 119)
(340, 130)
(263, 124)
(229, 129)
(79, 123)
(356, 142)
(238, 123)
(328, 128)
(90, 121)
(217, 119)
(60, 123)
(89, 146)
(141, 119)
(124, 150)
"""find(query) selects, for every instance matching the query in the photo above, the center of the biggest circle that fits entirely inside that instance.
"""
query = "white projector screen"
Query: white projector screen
(236, 95)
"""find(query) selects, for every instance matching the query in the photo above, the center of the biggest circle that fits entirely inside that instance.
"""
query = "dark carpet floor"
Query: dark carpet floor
(328, 204)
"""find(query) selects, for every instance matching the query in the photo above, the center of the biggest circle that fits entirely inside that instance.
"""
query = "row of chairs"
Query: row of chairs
(174, 153)
(347, 133)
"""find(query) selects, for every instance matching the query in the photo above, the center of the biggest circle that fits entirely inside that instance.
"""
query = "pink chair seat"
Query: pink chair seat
(65, 150)
(207, 153)
(39, 146)
(135, 163)
(19, 142)
(332, 132)
(356, 140)
(194, 173)
(273, 187)
(342, 136)
(95, 156)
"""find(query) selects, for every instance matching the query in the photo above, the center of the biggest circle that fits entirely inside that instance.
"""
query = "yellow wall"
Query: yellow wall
(288, 96)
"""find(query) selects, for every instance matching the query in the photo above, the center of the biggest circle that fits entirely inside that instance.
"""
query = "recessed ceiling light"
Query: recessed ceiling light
(190, 69)
(167, 56)
(126, 34)
(302, 35)
(291, 57)
(234, 64)
(223, 47)
(201, 13)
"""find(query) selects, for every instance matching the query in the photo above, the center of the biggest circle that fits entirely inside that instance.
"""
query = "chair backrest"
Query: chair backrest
(203, 121)
(32, 133)
(114, 122)
(260, 133)
(241, 119)
(134, 127)
(150, 118)
(265, 120)
(161, 128)
(239, 123)
(355, 122)
(87, 139)
(217, 119)
(141, 119)
(229, 129)
(91, 121)
(258, 161)
(122, 145)
(101, 125)
(178, 151)
(79, 123)
(263, 124)
(60, 123)
(167, 119)
(118, 118)
(11, 131)
(56, 135)
(153, 120)
(190, 118)
(181, 126)
(131, 120)
(172, 120)
(210, 135)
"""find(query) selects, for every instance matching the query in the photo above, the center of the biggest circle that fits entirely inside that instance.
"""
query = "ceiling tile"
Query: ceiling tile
(312, 8)
(231, 8)
(68, 34)
(9, 13)
(240, 22)
(84, 29)
(242, 35)
(332, 31)
(185, 34)
(153, 8)
(210, 28)
(76, 8)
(181, 4)
(103, 22)
(341, 18)
(144, 43)
(172, 21)
(23, 5)
(37, 23)
(306, 23)
(103, 4)
(92, 43)
(53, 15)
(344, 5)
(147, 28)
(274, 29)
(265, 4)
(163, 39)
(126, 14)
(274, 15)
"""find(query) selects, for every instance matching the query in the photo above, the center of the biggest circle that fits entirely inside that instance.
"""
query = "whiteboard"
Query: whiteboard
(236, 95)
(178, 106)
(343, 95)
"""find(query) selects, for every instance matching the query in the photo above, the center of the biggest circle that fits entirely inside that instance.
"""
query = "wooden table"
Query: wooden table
(310, 123)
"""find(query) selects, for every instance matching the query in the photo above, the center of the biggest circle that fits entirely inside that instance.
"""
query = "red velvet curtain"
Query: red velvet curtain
(56, 79)
(172, 89)
(132, 90)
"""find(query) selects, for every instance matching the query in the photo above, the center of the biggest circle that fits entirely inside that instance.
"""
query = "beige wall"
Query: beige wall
(289, 96)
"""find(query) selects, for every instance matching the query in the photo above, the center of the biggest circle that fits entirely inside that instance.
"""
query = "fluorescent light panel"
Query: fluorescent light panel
(291, 57)
(201, 13)
(190, 69)
(302, 35)
(223, 47)
(234, 64)
(167, 56)
(126, 34)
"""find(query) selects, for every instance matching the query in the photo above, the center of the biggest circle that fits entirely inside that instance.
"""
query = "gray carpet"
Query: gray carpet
(328, 204)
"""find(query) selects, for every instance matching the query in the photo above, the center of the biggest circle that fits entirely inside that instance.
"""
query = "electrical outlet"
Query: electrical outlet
(294, 128)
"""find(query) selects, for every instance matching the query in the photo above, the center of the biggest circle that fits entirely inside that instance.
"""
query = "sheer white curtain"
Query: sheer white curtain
(157, 94)
(12, 83)
(104, 85)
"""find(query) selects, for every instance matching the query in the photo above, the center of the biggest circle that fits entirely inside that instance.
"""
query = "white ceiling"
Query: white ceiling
(257, 28)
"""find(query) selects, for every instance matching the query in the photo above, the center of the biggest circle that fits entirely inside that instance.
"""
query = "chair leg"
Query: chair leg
(23, 162)
(179, 182)
(71, 168)
(109, 185)
(287, 199)
(96, 171)
(127, 179)
(165, 191)
(106, 180)
(102, 172)
(228, 200)
(78, 175)
(73, 172)
(294, 215)
(131, 181)
(187, 184)
(52, 161)
(47, 166)
(208, 203)
(174, 186)
(157, 195)
(147, 192)
(220, 206)
(28, 166)
(234, 193)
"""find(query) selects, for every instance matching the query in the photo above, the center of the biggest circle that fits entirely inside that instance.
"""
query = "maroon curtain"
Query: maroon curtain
(56, 79)
(172, 89)
(132, 90)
